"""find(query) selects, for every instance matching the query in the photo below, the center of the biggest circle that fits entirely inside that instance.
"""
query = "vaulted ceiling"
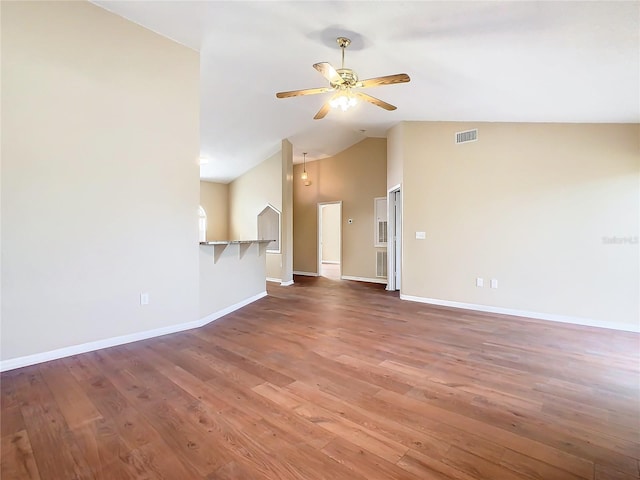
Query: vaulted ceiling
(493, 61)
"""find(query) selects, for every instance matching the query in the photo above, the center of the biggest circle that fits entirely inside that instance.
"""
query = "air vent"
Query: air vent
(468, 136)
(382, 232)
(381, 263)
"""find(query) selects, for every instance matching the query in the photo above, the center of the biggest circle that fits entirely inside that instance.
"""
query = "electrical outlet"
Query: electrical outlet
(494, 283)
(144, 298)
(479, 282)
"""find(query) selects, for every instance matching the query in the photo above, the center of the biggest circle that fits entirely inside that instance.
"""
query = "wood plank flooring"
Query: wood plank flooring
(335, 380)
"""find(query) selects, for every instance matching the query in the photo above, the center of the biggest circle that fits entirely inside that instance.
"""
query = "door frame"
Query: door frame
(394, 239)
(319, 240)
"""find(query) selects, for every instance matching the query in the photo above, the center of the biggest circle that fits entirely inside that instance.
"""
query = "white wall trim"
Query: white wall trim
(305, 274)
(364, 279)
(523, 313)
(27, 360)
(279, 280)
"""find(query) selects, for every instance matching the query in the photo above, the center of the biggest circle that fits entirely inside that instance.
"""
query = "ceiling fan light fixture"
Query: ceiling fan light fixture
(344, 100)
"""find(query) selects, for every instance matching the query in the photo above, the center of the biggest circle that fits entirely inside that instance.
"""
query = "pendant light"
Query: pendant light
(304, 175)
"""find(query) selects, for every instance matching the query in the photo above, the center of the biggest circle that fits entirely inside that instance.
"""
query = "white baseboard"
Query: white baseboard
(287, 284)
(588, 322)
(27, 360)
(305, 274)
(274, 280)
(365, 279)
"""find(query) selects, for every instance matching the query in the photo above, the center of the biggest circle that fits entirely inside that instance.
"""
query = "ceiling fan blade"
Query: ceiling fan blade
(328, 72)
(323, 111)
(308, 91)
(386, 80)
(375, 101)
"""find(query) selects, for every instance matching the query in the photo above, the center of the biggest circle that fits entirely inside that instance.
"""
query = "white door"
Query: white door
(394, 247)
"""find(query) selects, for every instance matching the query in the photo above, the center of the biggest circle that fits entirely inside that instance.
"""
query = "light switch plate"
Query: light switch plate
(421, 235)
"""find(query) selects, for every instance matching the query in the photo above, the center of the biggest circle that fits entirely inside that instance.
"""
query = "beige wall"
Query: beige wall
(229, 278)
(286, 273)
(395, 156)
(528, 205)
(99, 177)
(356, 176)
(214, 198)
(249, 194)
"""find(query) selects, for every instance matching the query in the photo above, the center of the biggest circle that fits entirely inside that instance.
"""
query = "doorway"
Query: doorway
(330, 240)
(394, 245)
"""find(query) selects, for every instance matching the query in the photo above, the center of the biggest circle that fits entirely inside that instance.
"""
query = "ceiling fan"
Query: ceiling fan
(344, 82)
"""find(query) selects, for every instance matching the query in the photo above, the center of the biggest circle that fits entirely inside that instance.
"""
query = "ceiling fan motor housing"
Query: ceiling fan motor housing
(348, 76)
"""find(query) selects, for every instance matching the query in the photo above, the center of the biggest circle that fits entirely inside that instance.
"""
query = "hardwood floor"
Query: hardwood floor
(334, 380)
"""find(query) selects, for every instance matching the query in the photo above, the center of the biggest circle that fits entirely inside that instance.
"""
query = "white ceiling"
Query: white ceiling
(481, 61)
